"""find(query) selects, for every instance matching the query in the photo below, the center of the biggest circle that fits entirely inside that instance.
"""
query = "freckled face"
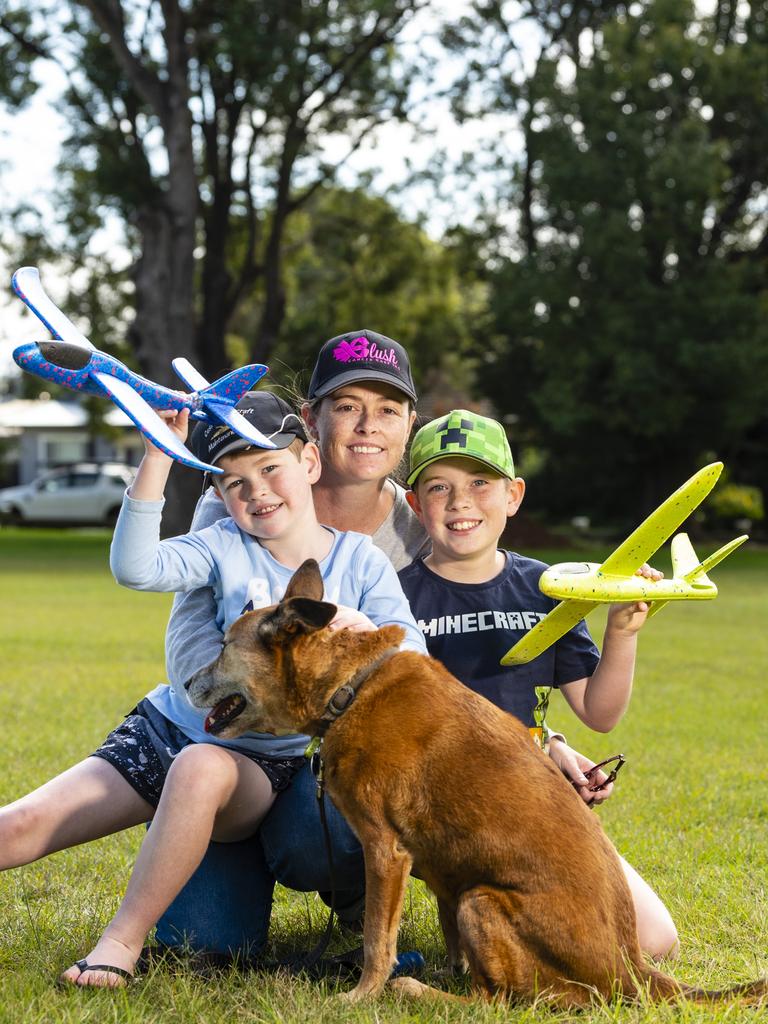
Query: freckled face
(464, 506)
(362, 430)
(268, 494)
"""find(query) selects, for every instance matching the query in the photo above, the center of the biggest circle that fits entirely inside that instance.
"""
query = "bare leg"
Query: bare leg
(210, 793)
(89, 800)
(655, 927)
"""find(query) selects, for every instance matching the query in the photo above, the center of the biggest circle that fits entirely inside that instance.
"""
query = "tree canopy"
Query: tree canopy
(608, 296)
(631, 337)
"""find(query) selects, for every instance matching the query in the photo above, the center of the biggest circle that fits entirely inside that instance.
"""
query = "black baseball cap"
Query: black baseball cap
(268, 413)
(361, 355)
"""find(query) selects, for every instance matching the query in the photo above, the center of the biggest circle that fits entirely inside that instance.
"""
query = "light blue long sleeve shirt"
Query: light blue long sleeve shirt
(243, 574)
(193, 639)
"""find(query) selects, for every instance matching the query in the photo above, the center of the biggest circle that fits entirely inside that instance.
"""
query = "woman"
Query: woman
(360, 411)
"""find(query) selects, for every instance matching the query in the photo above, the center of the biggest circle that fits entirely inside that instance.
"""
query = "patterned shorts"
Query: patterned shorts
(143, 746)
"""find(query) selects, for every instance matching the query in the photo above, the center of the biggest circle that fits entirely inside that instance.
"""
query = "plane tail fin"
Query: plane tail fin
(229, 389)
(227, 414)
(219, 399)
(701, 570)
(684, 558)
(686, 566)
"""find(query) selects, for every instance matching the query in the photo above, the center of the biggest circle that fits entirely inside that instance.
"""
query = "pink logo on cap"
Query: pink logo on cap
(358, 349)
(349, 351)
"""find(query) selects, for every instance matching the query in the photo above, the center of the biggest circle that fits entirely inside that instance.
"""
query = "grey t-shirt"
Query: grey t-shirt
(193, 639)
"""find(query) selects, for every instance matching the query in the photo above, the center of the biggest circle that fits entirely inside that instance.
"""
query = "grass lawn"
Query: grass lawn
(690, 809)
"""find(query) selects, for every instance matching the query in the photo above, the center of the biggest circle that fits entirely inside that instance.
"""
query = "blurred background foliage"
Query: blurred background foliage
(605, 296)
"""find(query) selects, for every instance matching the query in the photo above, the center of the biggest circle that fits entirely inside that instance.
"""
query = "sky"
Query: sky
(29, 143)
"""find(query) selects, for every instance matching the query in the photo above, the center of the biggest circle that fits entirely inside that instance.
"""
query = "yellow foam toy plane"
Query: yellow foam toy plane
(581, 586)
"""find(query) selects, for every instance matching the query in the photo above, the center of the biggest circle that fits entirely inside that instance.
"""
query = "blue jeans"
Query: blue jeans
(226, 904)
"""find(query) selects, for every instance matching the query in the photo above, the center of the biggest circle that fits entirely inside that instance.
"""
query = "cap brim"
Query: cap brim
(356, 375)
(412, 476)
(240, 444)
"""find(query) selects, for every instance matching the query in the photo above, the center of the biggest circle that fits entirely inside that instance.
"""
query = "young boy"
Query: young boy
(160, 763)
(473, 601)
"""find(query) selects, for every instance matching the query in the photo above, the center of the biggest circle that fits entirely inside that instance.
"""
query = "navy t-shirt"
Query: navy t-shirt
(471, 626)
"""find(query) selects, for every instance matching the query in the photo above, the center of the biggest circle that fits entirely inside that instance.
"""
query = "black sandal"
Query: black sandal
(84, 966)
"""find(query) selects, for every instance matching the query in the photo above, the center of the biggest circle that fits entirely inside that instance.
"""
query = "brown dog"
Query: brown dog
(434, 778)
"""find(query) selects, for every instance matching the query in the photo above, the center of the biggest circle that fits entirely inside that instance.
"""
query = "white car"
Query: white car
(81, 494)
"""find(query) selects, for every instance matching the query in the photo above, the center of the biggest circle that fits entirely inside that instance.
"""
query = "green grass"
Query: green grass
(690, 809)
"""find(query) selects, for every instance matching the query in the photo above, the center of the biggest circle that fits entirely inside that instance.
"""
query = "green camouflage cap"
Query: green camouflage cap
(461, 433)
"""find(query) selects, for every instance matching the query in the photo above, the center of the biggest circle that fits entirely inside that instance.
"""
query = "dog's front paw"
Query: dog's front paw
(356, 995)
(348, 998)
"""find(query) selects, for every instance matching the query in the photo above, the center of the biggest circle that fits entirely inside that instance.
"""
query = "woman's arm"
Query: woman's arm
(383, 600)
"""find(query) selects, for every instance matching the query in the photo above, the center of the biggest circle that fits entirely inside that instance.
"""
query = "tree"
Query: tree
(200, 128)
(632, 341)
(356, 262)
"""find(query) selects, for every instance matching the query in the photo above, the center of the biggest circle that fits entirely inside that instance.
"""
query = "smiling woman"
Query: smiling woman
(360, 410)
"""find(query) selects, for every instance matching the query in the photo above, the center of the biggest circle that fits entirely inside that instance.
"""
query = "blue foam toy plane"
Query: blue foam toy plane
(71, 360)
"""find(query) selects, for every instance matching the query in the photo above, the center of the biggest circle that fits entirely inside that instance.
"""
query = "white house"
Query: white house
(42, 434)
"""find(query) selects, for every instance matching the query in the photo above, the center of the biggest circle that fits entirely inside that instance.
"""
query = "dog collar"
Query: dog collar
(343, 697)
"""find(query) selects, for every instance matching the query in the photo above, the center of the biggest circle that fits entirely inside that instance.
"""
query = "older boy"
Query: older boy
(473, 601)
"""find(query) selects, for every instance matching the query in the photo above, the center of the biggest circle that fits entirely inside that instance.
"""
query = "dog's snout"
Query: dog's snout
(199, 685)
(195, 678)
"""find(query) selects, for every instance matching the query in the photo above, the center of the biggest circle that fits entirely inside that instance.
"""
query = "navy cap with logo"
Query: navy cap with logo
(361, 355)
(268, 413)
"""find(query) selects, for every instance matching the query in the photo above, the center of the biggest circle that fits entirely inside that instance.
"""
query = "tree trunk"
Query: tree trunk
(163, 329)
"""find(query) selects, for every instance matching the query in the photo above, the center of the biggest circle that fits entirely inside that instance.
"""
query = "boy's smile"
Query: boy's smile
(464, 506)
(268, 493)
(464, 524)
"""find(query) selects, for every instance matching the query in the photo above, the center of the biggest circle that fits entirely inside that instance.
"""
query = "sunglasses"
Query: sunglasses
(618, 761)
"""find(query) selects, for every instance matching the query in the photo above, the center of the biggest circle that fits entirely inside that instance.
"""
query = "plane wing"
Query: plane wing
(148, 422)
(26, 284)
(661, 524)
(562, 617)
(237, 422)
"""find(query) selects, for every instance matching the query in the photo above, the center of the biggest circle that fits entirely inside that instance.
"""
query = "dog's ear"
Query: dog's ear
(306, 582)
(294, 616)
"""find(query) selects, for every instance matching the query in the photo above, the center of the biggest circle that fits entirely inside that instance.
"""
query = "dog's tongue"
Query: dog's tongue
(224, 712)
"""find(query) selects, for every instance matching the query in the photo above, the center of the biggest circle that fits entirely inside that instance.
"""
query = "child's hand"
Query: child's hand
(573, 765)
(628, 618)
(351, 618)
(178, 421)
